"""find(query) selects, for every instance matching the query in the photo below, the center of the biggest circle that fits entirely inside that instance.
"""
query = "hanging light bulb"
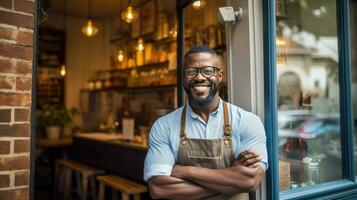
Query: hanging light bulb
(129, 15)
(89, 29)
(198, 4)
(63, 70)
(140, 46)
(120, 55)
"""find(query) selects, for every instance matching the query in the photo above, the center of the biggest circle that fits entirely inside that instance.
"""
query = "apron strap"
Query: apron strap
(227, 127)
(183, 124)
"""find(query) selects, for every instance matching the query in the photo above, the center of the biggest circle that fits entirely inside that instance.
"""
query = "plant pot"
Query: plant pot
(53, 132)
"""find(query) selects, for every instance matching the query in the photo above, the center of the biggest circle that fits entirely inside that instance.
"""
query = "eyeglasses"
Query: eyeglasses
(206, 71)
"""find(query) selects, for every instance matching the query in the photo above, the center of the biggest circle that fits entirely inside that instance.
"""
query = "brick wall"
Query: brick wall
(16, 37)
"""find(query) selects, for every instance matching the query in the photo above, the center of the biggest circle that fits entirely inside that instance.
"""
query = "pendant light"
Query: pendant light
(198, 4)
(63, 67)
(89, 29)
(129, 15)
(120, 55)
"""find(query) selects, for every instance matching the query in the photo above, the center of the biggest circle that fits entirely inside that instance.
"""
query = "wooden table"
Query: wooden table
(54, 143)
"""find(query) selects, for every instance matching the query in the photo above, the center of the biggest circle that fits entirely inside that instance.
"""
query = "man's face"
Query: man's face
(199, 88)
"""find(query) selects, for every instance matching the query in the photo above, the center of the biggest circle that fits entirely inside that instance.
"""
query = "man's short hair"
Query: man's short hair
(201, 48)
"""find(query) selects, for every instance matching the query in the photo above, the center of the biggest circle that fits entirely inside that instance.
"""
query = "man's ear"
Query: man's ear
(220, 75)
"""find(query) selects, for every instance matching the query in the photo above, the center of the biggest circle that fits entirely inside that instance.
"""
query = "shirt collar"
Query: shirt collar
(214, 113)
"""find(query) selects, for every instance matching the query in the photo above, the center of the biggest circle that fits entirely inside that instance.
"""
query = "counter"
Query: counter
(110, 153)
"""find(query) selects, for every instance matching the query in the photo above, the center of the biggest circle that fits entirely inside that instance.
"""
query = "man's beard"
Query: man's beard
(202, 102)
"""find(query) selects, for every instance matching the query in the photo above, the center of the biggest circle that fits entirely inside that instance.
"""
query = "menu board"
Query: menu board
(51, 56)
(50, 87)
(51, 48)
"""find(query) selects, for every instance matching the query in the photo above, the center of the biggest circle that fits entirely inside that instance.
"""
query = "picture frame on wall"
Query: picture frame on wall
(135, 26)
(148, 17)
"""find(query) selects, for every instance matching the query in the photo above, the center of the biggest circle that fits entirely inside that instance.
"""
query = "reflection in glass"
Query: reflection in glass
(353, 38)
(308, 93)
(201, 27)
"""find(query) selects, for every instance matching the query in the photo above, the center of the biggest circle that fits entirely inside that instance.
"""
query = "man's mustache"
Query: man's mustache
(192, 83)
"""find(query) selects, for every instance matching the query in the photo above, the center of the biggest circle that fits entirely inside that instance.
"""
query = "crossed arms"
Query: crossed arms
(190, 182)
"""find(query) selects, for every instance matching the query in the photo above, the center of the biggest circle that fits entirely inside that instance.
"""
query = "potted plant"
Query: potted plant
(54, 119)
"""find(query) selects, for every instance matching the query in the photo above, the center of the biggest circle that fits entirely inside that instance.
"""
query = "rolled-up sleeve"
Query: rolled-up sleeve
(159, 159)
(253, 138)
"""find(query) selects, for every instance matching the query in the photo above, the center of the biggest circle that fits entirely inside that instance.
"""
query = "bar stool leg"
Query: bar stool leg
(137, 197)
(101, 191)
(79, 185)
(84, 186)
(124, 196)
(93, 187)
(68, 180)
(56, 182)
(114, 194)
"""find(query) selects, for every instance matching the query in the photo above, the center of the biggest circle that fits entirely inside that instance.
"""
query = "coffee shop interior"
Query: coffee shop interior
(106, 71)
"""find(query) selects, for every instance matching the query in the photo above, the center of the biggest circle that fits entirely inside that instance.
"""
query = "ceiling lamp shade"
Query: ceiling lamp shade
(129, 15)
(89, 29)
(63, 70)
(140, 46)
(120, 55)
(198, 4)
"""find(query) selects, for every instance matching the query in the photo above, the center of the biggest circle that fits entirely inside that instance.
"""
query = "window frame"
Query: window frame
(340, 189)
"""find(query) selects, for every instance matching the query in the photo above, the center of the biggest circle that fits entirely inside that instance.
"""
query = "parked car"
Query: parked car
(289, 120)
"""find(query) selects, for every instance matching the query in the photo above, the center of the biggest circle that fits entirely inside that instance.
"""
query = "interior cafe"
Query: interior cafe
(103, 71)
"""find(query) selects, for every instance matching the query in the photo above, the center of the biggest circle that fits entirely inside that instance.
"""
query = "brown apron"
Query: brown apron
(208, 153)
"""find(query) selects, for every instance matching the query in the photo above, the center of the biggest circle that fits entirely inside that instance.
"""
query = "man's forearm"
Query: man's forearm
(227, 180)
(167, 187)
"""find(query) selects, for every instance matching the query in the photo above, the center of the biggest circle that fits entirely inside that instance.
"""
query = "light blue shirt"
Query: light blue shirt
(247, 134)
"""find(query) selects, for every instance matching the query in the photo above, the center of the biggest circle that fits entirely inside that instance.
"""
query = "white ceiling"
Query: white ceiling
(79, 8)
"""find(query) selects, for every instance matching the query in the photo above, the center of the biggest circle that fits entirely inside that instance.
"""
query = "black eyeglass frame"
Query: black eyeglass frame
(199, 69)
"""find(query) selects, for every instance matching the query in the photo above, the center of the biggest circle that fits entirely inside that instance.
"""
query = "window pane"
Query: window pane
(353, 37)
(308, 93)
(201, 27)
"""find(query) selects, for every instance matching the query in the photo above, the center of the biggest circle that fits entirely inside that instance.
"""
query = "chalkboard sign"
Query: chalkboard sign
(51, 56)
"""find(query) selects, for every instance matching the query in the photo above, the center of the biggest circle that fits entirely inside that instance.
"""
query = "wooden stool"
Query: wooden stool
(125, 186)
(83, 173)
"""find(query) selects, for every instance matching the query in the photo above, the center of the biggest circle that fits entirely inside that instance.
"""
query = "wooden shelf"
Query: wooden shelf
(142, 67)
(151, 88)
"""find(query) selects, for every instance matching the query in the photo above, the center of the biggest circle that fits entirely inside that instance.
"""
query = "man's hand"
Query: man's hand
(180, 171)
(248, 159)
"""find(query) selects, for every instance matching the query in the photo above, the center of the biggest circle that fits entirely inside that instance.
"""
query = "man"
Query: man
(208, 149)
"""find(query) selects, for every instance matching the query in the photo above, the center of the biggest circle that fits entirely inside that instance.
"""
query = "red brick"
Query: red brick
(22, 115)
(15, 130)
(16, 51)
(15, 194)
(6, 82)
(23, 67)
(24, 6)
(21, 178)
(22, 146)
(6, 4)
(16, 19)
(24, 38)
(15, 99)
(23, 83)
(14, 163)
(8, 33)
(4, 147)
(5, 115)
(6, 66)
(4, 180)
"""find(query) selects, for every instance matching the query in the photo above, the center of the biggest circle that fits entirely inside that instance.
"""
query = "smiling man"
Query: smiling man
(207, 149)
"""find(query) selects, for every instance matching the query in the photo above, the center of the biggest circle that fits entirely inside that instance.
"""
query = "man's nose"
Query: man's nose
(199, 75)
